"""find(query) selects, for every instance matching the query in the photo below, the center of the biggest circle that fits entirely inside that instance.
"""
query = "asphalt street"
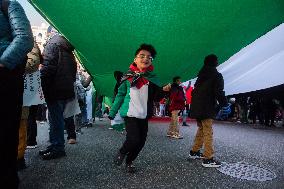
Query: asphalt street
(161, 164)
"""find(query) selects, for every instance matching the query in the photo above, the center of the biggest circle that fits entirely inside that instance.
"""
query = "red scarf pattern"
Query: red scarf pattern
(137, 77)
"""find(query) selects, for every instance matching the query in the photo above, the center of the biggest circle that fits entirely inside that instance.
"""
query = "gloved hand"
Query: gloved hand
(111, 118)
(226, 110)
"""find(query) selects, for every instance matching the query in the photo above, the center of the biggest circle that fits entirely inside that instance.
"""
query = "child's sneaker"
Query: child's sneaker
(31, 146)
(169, 134)
(130, 168)
(211, 163)
(177, 136)
(118, 159)
(195, 155)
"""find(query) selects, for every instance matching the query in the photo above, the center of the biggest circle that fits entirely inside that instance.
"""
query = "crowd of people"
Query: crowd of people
(69, 102)
(264, 107)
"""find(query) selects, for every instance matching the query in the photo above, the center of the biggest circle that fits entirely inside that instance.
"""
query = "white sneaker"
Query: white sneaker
(211, 163)
(177, 136)
(169, 134)
(32, 147)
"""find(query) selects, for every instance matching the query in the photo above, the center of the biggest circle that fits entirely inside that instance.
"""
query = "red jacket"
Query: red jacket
(177, 98)
(163, 101)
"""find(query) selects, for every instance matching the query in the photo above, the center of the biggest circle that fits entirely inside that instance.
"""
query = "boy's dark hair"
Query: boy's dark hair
(211, 60)
(148, 48)
(176, 78)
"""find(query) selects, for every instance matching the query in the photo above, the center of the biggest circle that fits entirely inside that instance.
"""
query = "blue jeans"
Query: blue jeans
(56, 122)
(184, 116)
(84, 119)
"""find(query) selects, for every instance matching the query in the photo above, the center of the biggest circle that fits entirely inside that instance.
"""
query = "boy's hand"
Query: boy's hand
(167, 87)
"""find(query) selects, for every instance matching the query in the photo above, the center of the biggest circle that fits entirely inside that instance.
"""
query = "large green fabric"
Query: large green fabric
(107, 33)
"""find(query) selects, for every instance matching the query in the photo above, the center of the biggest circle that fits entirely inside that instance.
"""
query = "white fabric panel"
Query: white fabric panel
(138, 102)
(72, 107)
(257, 66)
(33, 94)
(89, 102)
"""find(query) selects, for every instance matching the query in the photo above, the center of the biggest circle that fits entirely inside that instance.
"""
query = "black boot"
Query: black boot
(118, 159)
(42, 152)
(53, 155)
(130, 168)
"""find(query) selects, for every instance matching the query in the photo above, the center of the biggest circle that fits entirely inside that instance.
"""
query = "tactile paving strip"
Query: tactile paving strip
(246, 171)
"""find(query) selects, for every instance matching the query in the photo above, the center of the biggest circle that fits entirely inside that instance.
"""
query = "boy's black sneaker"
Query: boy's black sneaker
(195, 155)
(211, 163)
(118, 159)
(130, 168)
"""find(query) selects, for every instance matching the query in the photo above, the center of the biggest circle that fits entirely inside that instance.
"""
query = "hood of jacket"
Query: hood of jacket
(62, 42)
(206, 72)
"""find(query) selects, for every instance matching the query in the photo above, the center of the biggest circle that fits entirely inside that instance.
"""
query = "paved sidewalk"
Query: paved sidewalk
(161, 164)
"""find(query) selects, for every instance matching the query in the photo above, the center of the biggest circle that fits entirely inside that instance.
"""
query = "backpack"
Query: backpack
(34, 59)
(80, 92)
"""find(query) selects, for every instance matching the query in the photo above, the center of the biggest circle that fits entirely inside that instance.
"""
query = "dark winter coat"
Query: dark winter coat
(208, 89)
(58, 72)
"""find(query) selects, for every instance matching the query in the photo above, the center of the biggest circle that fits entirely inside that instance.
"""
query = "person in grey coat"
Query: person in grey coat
(16, 40)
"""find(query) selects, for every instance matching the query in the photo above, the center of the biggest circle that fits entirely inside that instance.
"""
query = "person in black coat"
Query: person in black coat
(208, 89)
(58, 74)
